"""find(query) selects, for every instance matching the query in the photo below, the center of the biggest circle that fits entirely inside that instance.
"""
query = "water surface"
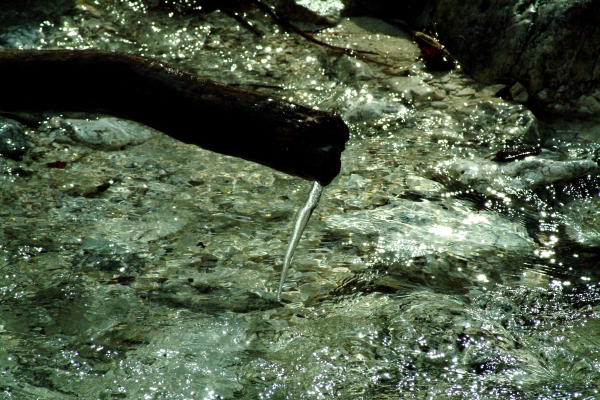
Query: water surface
(428, 270)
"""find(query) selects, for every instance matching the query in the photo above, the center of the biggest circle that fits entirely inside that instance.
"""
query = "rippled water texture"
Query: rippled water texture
(146, 268)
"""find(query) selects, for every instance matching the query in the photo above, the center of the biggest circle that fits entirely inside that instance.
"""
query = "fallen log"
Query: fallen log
(287, 137)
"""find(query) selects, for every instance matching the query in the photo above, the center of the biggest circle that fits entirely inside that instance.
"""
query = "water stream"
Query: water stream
(302, 218)
(134, 266)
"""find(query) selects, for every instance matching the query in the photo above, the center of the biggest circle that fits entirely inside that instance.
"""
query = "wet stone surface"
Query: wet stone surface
(556, 73)
(13, 143)
(135, 266)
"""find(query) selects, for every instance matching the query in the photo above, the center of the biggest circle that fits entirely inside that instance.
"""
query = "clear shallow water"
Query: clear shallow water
(427, 271)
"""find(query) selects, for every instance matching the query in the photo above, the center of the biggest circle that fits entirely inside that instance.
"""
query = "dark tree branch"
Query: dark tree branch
(288, 137)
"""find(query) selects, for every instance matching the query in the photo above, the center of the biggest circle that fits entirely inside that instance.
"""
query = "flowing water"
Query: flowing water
(147, 268)
(302, 218)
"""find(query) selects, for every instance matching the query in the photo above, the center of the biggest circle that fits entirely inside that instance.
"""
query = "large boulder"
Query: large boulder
(551, 47)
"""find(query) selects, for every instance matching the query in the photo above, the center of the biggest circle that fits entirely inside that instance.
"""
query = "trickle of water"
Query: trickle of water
(302, 218)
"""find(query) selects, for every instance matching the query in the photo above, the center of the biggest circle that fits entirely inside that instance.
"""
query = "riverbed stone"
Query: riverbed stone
(351, 69)
(466, 92)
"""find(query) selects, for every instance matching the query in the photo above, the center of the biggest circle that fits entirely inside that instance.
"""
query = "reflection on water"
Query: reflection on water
(429, 270)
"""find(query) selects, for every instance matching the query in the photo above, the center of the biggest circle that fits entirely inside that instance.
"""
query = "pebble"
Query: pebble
(450, 87)
(423, 186)
(313, 290)
(440, 105)
(413, 88)
(425, 93)
(583, 221)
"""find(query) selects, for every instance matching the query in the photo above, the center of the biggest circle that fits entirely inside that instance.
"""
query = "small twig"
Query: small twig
(360, 54)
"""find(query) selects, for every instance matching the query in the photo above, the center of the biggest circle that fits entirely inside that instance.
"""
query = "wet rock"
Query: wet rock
(591, 105)
(529, 173)
(406, 10)
(478, 347)
(440, 105)
(364, 111)
(314, 290)
(12, 139)
(494, 121)
(412, 228)
(413, 88)
(450, 87)
(134, 235)
(311, 15)
(80, 183)
(424, 187)
(556, 68)
(583, 222)
(518, 93)
(351, 69)
(466, 92)
(354, 181)
(102, 133)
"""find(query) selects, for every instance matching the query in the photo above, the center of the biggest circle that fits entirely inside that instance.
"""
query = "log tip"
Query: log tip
(321, 161)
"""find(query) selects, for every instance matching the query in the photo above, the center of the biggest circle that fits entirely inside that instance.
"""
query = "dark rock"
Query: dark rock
(552, 48)
(12, 139)
(407, 10)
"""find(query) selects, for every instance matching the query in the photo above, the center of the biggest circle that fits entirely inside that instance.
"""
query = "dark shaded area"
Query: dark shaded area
(550, 47)
(31, 12)
(407, 10)
(27, 15)
(185, 6)
(514, 154)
